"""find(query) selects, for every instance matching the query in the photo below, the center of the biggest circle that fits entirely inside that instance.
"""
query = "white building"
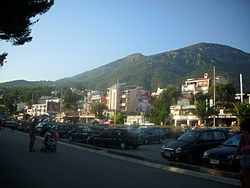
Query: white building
(200, 85)
(124, 98)
(50, 107)
(181, 115)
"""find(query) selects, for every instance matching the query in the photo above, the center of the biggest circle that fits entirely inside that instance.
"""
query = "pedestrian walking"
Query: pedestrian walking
(32, 134)
(244, 150)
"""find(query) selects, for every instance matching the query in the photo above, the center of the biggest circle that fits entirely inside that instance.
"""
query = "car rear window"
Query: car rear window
(189, 136)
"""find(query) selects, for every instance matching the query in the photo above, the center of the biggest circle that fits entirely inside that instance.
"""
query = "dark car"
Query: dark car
(151, 135)
(63, 129)
(23, 127)
(117, 137)
(190, 146)
(82, 133)
(41, 128)
(219, 157)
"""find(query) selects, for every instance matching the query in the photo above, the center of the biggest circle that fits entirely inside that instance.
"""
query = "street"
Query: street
(76, 167)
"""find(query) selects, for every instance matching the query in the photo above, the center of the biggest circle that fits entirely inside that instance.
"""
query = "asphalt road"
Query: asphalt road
(74, 166)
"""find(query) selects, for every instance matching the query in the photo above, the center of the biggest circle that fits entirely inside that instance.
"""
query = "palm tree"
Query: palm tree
(241, 111)
(202, 111)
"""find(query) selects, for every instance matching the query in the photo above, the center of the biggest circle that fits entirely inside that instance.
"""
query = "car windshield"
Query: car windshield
(189, 136)
(233, 141)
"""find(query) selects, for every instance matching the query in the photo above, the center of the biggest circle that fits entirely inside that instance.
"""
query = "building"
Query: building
(180, 112)
(49, 108)
(124, 98)
(200, 85)
(181, 115)
(157, 93)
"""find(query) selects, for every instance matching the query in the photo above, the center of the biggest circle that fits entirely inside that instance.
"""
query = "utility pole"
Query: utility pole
(61, 104)
(241, 89)
(214, 96)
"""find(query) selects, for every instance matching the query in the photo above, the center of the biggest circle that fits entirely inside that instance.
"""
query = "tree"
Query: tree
(15, 20)
(70, 101)
(119, 118)
(241, 111)
(98, 109)
(161, 105)
(225, 92)
(202, 111)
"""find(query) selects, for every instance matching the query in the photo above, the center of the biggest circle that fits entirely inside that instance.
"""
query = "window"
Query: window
(206, 136)
(218, 135)
(108, 133)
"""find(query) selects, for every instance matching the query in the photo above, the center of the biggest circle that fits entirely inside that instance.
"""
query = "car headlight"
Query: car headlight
(205, 154)
(178, 150)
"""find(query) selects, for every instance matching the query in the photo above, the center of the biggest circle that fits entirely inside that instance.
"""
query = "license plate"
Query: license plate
(167, 154)
(213, 161)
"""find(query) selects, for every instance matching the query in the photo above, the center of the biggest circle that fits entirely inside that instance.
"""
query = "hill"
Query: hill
(172, 67)
(160, 70)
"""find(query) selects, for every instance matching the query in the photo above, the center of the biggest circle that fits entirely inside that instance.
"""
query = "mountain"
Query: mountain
(18, 83)
(172, 67)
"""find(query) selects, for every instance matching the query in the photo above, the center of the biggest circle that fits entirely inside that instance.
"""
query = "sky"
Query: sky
(76, 36)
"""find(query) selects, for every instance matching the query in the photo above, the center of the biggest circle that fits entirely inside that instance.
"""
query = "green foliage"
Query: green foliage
(198, 98)
(119, 118)
(225, 92)
(241, 111)
(69, 101)
(2, 58)
(16, 20)
(202, 111)
(16, 15)
(12, 96)
(98, 109)
(161, 105)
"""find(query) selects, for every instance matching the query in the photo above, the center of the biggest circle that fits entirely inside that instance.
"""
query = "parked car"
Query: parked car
(23, 127)
(42, 127)
(117, 137)
(220, 157)
(151, 135)
(228, 130)
(63, 129)
(190, 146)
(82, 133)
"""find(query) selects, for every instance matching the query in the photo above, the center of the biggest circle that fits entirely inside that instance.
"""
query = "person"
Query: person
(49, 143)
(32, 134)
(244, 149)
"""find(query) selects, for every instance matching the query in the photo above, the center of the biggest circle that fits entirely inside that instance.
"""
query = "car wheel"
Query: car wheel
(93, 142)
(123, 145)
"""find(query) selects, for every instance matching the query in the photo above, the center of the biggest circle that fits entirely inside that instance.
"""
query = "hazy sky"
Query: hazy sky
(75, 36)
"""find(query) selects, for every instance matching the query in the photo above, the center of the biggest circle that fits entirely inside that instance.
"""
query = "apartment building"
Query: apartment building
(200, 85)
(124, 98)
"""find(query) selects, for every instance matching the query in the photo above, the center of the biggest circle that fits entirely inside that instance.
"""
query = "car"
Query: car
(81, 133)
(190, 146)
(63, 129)
(151, 135)
(23, 127)
(116, 137)
(220, 157)
(42, 127)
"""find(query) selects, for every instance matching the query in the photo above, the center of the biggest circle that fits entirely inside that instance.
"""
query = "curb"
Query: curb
(225, 177)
